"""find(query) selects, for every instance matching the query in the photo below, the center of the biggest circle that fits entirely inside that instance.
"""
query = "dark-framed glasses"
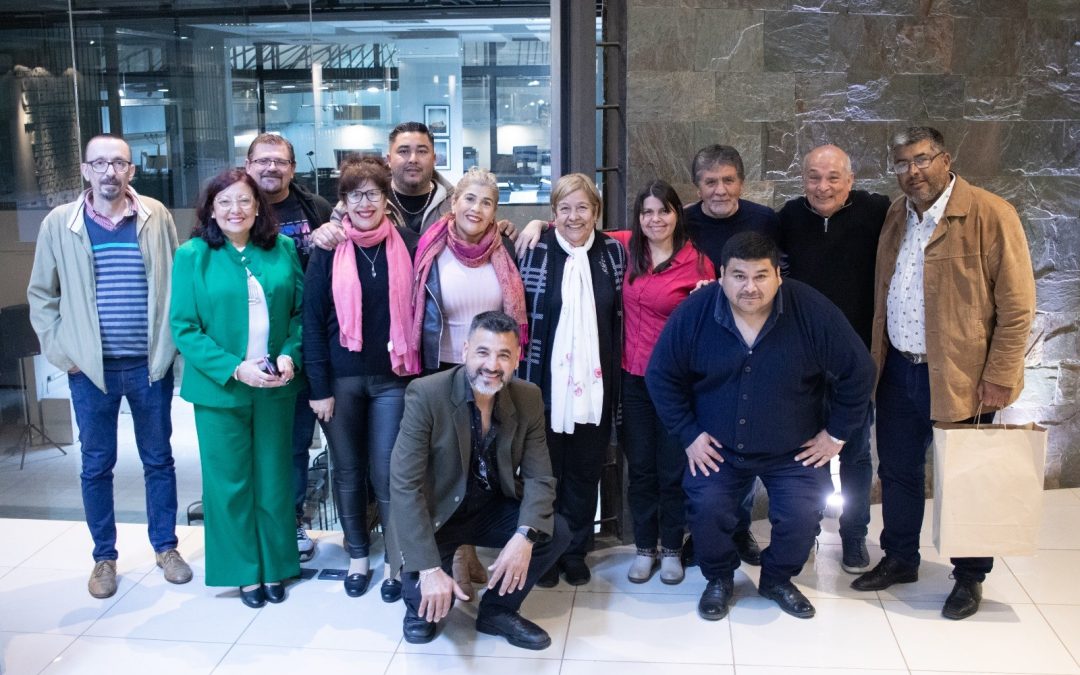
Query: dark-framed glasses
(102, 165)
(923, 162)
(357, 196)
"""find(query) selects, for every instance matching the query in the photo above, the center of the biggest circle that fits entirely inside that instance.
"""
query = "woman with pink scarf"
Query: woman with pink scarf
(464, 266)
(359, 354)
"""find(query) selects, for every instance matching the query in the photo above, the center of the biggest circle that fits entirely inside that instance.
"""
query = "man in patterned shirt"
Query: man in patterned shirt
(954, 304)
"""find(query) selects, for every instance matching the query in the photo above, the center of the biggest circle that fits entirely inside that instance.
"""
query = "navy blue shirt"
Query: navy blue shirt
(760, 401)
(710, 234)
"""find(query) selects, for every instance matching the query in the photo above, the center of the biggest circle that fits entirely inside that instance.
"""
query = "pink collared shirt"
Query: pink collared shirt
(105, 223)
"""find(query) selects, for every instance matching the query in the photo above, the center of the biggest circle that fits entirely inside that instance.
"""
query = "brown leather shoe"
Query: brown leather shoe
(102, 582)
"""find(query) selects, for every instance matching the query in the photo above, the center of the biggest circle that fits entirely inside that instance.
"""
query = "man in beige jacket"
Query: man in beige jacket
(954, 302)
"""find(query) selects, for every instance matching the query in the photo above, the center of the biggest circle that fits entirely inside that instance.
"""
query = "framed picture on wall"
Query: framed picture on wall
(437, 119)
(442, 153)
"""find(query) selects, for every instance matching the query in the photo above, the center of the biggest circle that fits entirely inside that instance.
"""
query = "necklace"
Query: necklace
(372, 259)
(397, 200)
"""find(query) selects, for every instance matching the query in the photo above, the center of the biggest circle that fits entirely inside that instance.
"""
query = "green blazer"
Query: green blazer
(429, 465)
(209, 316)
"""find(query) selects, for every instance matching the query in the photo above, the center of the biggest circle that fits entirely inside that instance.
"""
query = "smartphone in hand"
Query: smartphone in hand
(269, 367)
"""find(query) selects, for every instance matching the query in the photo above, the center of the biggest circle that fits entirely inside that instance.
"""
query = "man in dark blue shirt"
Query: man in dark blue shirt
(743, 374)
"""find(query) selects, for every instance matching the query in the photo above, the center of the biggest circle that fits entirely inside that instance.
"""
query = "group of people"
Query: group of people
(400, 322)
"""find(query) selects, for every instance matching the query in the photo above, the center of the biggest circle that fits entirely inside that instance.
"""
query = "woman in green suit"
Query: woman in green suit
(236, 293)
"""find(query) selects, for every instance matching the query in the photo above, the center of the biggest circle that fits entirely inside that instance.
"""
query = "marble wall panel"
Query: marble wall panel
(800, 42)
(781, 155)
(681, 96)
(821, 96)
(1050, 47)
(727, 40)
(919, 45)
(890, 7)
(1013, 9)
(985, 46)
(1041, 148)
(744, 136)
(659, 150)
(1052, 99)
(757, 97)
(994, 98)
(1059, 10)
(658, 40)
(865, 142)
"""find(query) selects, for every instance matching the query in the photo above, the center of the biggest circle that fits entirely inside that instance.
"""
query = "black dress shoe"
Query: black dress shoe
(549, 579)
(391, 590)
(274, 593)
(417, 631)
(789, 598)
(517, 630)
(356, 584)
(887, 573)
(255, 598)
(575, 570)
(687, 557)
(963, 601)
(714, 602)
(747, 546)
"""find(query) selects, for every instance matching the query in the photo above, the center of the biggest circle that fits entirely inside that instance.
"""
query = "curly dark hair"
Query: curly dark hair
(263, 233)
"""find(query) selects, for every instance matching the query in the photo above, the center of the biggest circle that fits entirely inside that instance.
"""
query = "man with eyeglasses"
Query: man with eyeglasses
(954, 305)
(99, 303)
(271, 161)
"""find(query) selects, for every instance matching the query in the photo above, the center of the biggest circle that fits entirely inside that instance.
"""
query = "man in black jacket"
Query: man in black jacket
(830, 236)
(271, 161)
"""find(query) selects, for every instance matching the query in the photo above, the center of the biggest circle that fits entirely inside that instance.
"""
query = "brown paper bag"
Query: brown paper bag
(988, 488)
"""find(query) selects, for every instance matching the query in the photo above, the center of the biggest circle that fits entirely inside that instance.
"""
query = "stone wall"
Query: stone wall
(1000, 79)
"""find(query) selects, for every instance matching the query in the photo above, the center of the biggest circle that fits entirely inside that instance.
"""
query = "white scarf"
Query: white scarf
(577, 384)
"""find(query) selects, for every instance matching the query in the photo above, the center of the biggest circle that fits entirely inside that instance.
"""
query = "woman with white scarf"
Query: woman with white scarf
(573, 293)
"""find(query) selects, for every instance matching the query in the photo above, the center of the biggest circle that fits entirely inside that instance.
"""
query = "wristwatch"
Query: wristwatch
(530, 534)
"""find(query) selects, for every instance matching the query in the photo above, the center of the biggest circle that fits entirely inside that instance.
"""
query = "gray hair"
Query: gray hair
(913, 135)
(712, 155)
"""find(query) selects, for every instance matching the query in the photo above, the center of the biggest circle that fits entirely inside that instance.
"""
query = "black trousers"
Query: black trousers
(577, 460)
(491, 525)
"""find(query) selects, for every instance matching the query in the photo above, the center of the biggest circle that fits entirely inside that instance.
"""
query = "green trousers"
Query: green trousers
(246, 455)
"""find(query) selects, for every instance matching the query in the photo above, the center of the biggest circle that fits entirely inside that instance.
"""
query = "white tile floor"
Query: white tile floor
(1029, 623)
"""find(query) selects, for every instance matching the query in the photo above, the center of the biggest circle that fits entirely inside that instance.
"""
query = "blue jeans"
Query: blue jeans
(96, 413)
(796, 503)
(303, 428)
(905, 431)
(367, 416)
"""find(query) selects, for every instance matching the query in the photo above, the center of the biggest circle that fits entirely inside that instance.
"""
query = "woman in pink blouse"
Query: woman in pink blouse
(663, 268)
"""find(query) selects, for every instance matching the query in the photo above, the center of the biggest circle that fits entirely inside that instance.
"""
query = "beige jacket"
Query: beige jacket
(980, 298)
(63, 308)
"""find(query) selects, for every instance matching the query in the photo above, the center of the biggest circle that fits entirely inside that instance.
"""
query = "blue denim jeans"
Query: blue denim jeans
(905, 431)
(97, 415)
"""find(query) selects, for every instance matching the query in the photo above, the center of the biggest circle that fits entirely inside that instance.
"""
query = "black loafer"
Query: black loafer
(417, 631)
(390, 590)
(714, 602)
(576, 571)
(517, 630)
(887, 573)
(789, 599)
(357, 584)
(274, 593)
(747, 547)
(255, 598)
(963, 601)
(549, 579)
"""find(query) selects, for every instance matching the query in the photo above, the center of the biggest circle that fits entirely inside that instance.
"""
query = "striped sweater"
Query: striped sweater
(121, 288)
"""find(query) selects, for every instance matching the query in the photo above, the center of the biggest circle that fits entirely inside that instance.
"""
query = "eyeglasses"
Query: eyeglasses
(243, 203)
(900, 168)
(102, 165)
(357, 196)
(265, 162)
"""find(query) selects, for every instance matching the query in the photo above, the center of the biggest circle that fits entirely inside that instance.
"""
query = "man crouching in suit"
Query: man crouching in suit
(471, 466)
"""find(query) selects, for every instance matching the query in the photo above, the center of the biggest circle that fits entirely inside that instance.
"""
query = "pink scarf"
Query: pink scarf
(489, 249)
(348, 293)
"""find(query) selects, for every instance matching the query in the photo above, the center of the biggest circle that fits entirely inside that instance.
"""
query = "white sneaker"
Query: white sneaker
(304, 544)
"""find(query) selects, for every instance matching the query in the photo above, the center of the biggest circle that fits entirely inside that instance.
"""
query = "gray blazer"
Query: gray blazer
(430, 462)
